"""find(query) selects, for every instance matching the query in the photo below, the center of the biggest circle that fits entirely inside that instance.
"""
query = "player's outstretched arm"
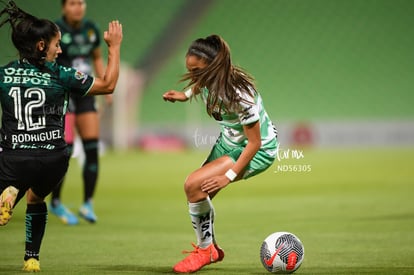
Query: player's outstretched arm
(113, 38)
(174, 96)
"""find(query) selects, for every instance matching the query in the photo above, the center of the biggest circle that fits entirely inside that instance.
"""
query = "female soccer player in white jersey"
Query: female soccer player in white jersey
(33, 93)
(246, 146)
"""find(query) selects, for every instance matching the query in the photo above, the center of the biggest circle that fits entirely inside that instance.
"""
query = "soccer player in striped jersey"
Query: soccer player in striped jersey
(247, 144)
(81, 50)
(34, 93)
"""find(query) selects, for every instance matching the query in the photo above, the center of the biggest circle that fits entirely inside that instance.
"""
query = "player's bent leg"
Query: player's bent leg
(7, 201)
(192, 185)
(202, 214)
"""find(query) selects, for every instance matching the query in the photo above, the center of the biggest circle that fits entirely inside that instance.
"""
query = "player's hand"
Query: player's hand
(113, 36)
(174, 96)
(214, 184)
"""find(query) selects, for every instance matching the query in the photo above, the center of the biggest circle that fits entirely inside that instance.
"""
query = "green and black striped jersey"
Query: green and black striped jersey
(78, 44)
(34, 102)
(250, 110)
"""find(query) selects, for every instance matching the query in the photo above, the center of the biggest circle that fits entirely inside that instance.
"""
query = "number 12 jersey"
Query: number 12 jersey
(34, 102)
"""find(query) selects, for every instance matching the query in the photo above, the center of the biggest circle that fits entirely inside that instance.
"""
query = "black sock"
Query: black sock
(90, 169)
(55, 198)
(36, 218)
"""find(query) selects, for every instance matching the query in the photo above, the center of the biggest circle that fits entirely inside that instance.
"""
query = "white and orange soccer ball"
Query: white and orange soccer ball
(282, 252)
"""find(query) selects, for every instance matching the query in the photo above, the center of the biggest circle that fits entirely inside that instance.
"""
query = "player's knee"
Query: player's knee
(188, 186)
(32, 198)
(191, 186)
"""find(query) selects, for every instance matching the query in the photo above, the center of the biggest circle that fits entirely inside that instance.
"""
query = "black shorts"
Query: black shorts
(81, 104)
(40, 172)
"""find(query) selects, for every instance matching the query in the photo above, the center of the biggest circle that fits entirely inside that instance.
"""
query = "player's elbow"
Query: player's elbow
(105, 86)
(110, 89)
(110, 84)
(105, 90)
(102, 90)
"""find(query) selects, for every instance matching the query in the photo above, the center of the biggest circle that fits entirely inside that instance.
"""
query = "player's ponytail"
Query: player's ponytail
(27, 32)
(220, 77)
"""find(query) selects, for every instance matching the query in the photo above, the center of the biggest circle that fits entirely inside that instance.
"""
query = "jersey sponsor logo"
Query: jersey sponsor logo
(92, 36)
(25, 76)
(81, 76)
(66, 38)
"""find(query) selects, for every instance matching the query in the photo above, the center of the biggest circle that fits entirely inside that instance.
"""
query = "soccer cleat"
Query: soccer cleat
(198, 258)
(220, 253)
(7, 200)
(64, 214)
(86, 212)
(31, 265)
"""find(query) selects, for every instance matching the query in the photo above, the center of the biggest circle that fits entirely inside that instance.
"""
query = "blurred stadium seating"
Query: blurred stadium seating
(317, 63)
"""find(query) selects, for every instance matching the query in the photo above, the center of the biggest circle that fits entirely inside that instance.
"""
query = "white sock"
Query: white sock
(212, 215)
(200, 213)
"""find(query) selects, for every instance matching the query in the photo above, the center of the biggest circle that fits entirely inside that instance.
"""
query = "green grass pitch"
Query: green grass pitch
(353, 212)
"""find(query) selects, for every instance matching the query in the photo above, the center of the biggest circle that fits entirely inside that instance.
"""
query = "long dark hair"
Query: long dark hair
(27, 31)
(220, 76)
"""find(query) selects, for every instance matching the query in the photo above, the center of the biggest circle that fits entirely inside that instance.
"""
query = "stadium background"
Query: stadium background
(337, 79)
(331, 72)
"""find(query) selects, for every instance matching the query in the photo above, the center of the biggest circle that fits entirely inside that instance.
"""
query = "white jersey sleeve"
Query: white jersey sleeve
(188, 93)
(249, 111)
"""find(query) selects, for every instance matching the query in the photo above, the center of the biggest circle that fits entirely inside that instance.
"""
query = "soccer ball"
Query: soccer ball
(282, 252)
